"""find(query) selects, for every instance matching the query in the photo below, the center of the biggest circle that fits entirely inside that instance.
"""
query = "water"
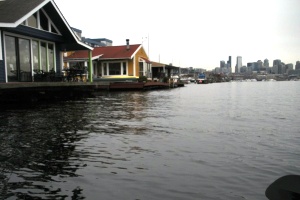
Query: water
(214, 141)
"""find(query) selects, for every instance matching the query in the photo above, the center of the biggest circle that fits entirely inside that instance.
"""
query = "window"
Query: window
(124, 68)
(44, 22)
(24, 56)
(50, 56)
(33, 21)
(41, 21)
(11, 58)
(114, 68)
(53, 29)
(141, 66)
(105, 69)
(43, 49)
(35, 54)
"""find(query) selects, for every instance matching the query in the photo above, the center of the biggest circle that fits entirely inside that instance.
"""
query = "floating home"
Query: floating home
(33, 38)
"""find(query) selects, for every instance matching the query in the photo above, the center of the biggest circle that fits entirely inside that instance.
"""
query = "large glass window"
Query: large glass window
(43, 49)
(11, 58)
(24, 56)
(51, 56)
(114, 68)
(35, 55)
(24, 60)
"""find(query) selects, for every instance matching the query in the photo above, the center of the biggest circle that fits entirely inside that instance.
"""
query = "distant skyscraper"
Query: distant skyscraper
(297, 65)
(276, 62)
(238, 64)
(260, 65)
(229, 62)
(289, 67)
(266, 63)
(222, 64)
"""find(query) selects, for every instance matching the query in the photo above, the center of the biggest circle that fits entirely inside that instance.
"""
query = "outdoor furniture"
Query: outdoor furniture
(76, 75)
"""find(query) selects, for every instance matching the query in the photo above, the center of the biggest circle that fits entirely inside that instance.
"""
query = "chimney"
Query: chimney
(127, 44)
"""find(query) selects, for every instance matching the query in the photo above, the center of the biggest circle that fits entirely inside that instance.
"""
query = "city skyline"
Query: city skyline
(265, 62)
(194, 33)
(277, 67)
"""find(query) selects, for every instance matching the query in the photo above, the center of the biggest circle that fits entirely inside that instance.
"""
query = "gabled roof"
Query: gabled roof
(14, 12)
(108, 52)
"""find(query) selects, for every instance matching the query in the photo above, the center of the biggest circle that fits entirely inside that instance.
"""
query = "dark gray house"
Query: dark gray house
(33, 37)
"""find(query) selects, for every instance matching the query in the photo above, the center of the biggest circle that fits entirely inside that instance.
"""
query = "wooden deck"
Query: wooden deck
(36, 91)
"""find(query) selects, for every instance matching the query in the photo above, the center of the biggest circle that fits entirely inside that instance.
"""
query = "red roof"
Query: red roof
(108, 52)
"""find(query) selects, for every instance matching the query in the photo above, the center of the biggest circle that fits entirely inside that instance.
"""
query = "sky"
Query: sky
(194, 33)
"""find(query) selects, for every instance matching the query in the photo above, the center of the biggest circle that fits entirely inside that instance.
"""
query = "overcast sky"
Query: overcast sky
(194, 33)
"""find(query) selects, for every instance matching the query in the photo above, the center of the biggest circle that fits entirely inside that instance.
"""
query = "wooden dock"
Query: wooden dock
(49, 91)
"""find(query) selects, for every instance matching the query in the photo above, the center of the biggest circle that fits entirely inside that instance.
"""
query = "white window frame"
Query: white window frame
(31, 52)
(50, 23)
(107, 67)
(145, 66)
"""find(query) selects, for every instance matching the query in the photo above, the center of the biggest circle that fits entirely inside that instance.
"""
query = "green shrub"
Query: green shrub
(142, 79)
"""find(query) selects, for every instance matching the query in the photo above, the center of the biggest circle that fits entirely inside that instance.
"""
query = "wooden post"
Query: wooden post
(90, 67)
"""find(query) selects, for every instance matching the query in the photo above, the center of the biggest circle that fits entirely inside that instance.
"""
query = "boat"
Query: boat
(201, 79)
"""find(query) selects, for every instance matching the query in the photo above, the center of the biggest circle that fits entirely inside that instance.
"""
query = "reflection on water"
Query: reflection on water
(216, 141)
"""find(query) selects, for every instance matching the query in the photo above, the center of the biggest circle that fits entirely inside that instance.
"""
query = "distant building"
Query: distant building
(97, 42)
(289, 67)
(276, 62)
(266, 63)
(250, 67)
(77, 32)
(297, 65)
(229, 62)
(259, 65)
(222, 64)
(217, 70)
(238, 64)
(275, 69)
(243, 69)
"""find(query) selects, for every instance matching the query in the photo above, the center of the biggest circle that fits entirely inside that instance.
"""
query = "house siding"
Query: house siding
(140, 53)
(130, 68)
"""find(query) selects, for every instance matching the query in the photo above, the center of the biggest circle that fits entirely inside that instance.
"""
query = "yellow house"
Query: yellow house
(114, 62)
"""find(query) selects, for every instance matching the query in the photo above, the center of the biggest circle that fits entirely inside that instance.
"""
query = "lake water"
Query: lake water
(216, 141)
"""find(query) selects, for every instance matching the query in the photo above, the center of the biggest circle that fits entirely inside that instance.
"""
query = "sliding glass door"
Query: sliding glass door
(18, 63)
(24, 60)
(11, 59)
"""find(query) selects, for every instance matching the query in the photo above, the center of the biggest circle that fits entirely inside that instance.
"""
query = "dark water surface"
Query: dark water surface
(215, 141)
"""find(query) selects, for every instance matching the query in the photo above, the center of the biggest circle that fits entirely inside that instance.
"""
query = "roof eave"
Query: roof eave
(136, 51)
(69, 27)
(22, 19)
